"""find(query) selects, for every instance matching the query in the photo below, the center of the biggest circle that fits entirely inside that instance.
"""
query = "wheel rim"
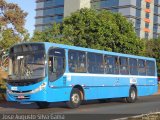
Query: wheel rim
(133, 95)
(75, 98)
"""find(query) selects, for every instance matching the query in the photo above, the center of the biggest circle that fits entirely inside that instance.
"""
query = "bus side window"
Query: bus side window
(150, 67)
(56, 63)
(111, 64)
(133, 66)
(77, 61)
(90, 62)
(95, 63)
(50, 64)
(72, 60)
(124, 66)
(72, 67)
(108, 65)
(141, 67)
(116, 69)
(81, 62)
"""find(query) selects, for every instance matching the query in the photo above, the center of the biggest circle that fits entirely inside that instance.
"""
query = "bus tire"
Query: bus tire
(42, 105)
(75, 99)
(132, 95)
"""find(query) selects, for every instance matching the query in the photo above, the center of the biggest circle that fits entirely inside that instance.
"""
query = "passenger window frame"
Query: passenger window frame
(51, 78)
(77, 64)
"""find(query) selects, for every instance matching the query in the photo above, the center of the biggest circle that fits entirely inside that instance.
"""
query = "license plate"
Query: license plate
(21, 97)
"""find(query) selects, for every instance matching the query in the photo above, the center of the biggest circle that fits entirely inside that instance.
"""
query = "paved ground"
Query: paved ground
(116, 108)
(111, 110)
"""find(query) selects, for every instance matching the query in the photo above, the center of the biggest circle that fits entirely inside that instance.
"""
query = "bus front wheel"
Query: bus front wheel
(42, 105)
(75, 99)
(132, 95)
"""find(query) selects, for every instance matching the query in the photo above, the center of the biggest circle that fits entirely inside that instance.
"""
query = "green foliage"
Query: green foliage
(12, 14)
(51, 34)
(153, 50)
(94, 29)
(12, 20)
(8, 39)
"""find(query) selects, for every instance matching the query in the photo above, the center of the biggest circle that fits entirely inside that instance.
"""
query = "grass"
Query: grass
(151, 116)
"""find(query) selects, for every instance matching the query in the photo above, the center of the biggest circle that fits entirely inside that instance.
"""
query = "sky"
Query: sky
(28, 6)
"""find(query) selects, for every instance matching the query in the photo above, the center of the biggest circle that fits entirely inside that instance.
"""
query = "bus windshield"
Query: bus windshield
(26, 64)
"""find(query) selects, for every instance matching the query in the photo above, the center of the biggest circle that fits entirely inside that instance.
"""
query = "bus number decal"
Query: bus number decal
(133, 80)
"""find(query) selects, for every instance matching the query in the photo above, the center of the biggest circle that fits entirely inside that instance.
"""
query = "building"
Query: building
(48, 12)
(145, 14)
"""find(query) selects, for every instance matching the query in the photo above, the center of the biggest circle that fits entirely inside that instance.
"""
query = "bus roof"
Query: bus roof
(49, 44)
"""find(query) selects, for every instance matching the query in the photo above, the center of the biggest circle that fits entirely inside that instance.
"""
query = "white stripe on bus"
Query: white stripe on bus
(107, 75)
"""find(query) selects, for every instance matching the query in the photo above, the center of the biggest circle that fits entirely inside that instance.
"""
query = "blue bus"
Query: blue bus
(44, 72)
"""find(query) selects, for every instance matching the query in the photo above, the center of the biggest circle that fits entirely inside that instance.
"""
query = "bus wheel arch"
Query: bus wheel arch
(80, 88)
(76, 97)
(133, 93)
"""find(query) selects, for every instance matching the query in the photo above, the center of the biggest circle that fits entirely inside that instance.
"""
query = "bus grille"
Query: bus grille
(21, 83)
(21, 91)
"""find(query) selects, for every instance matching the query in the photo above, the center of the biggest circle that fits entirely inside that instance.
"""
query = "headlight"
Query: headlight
(41, 87)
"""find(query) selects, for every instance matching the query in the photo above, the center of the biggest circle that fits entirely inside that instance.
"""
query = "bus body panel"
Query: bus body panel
(105, 92)
(95, 86)
(107, 87)
(49, 94)
(58, 94)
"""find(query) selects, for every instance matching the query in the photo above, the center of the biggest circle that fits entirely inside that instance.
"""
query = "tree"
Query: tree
(51, 34)
(8, 38)
(12, 20)
(153, 50)
(96, 29)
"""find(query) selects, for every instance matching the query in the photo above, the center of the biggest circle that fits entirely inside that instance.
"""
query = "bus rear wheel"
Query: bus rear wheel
(75, 99)
(132, 95)
(42, 105)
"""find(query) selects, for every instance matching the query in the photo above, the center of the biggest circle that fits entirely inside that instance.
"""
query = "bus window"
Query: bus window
(28, 61)
(81, 62)
(77, 61)
(56, 63)
(150, 66)
(141, 67)
(123, 66)
(133, 66)
(95, 63)
(72, 61)
(111, 64)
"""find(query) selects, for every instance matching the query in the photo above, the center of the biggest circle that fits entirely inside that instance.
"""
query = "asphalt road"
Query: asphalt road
(116, 108)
